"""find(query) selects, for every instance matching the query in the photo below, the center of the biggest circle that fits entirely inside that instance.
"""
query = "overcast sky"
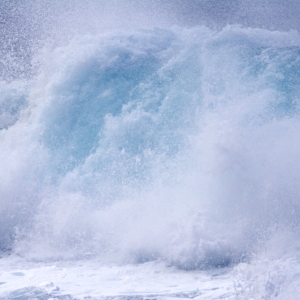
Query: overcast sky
(271, 14)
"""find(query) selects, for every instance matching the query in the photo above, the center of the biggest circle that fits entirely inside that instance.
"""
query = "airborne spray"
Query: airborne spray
(156, 131)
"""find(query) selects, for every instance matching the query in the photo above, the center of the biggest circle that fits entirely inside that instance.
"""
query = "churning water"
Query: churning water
(178, 145)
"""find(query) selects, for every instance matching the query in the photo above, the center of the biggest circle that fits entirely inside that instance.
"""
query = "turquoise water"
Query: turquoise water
(154, 144)
(176, 144)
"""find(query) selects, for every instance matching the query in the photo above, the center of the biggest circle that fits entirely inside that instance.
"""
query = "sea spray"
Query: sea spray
(176, 144)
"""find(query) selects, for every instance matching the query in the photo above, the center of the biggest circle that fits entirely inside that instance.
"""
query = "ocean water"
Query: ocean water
(151, 163)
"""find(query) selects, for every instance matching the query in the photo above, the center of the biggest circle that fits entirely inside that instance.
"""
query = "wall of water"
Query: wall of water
(177, 144)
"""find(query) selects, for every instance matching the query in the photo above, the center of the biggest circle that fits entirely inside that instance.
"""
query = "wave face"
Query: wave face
(178, 144)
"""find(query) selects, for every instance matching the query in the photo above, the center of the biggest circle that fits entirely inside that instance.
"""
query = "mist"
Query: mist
(28, 26)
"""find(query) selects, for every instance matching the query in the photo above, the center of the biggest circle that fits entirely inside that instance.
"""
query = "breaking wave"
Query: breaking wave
(175, 144)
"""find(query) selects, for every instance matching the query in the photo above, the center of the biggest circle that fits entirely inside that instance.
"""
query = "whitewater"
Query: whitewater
(150, 162)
